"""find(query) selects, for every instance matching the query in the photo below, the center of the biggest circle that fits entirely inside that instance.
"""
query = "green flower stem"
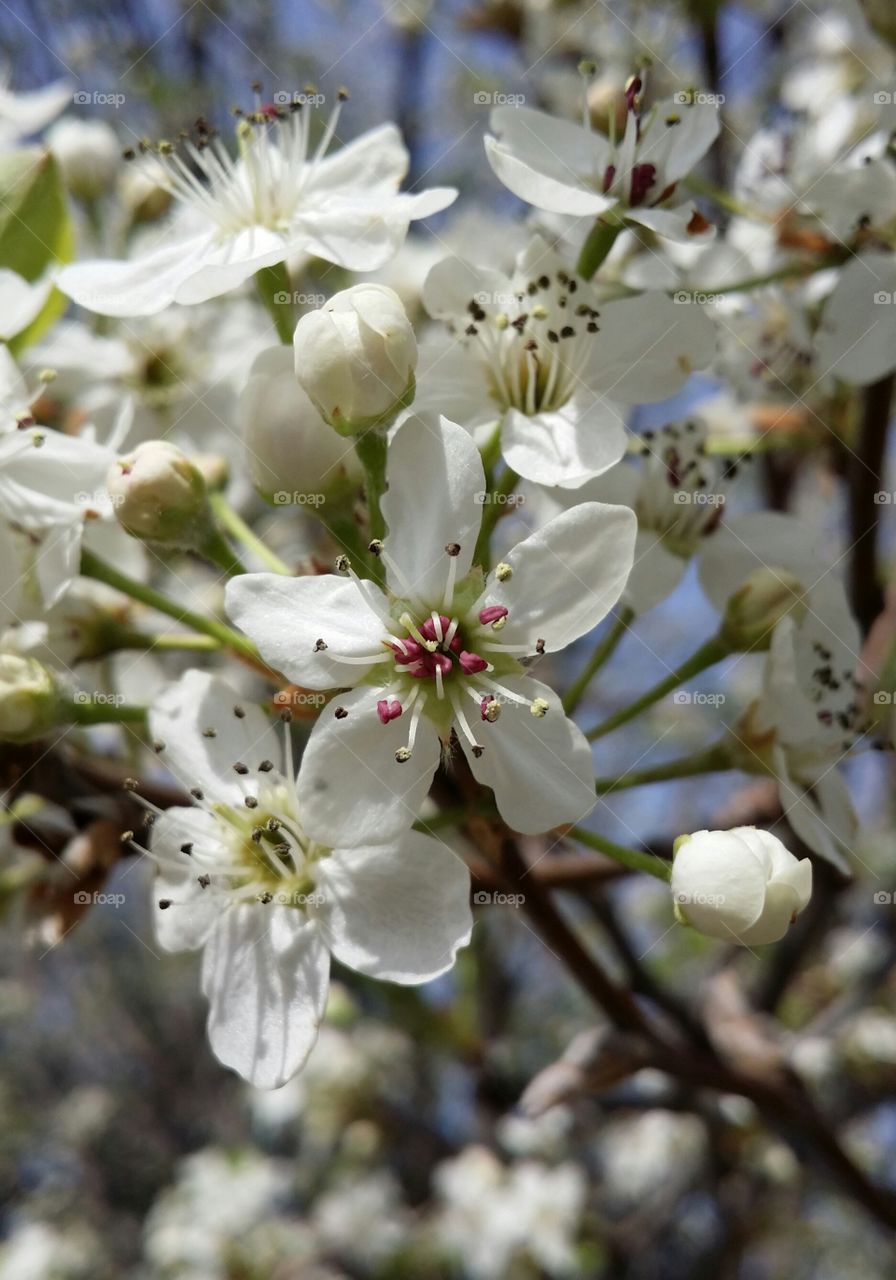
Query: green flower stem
(602, 653)
(93, 567)
(95, 711)
(600, 241)
(215, 548)
(494, 507)
(270, 281)
(634, 859)
(714, 759)
(713, 651)
(371, 448)
(236, 526)
(792, 271)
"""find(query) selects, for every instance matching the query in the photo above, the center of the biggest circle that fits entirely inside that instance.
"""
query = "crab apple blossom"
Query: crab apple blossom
(571, 169)
(355, 357)
(741, 885)
(89, 156)
(240, 878)
(538, 354)
(283, 196)
(442, 651)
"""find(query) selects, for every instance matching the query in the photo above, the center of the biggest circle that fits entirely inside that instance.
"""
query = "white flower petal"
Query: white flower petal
(560, 191)
(204, 738)
(823, 816)
(286, 617)
(398, 912)
(435, 475)
(856, 340)
(719, 883)
(194, 910)
(674, 340)
(758, 540)
(566, 576)
(539, 767)
(140, 286)
(567, 447)
(265, 972)
(351, 788)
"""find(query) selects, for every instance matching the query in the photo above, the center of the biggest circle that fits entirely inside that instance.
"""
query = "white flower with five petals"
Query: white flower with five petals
(537, 354)
(571, 169)
(268, 899)
(442, 649)
(281, 197)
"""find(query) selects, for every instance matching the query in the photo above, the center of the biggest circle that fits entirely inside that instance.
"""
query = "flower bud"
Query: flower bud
(144, 191)
(756, 608)
(291, 450)
(159, 495)
(88, 153)
(356, 357)
(31, 699)
(741, 885)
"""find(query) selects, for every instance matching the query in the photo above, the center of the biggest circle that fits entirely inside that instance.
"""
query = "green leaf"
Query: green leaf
(35, 228)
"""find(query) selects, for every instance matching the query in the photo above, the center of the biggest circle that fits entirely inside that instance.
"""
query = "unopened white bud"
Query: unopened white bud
(31, 699)
(755, 609)
(88, 153)
(159, 495)
(293, 455)
(356, 356)
(741, 885)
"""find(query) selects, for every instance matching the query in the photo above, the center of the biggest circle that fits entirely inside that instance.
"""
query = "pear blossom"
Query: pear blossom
(856, 338)
(538, 354)
(571, 169)
(22, 114)
(355, 357)
(741, 885)
(281, 197)
(441, 652)
(21, 301)
(290, 449)
(51, 485)
(808, 717)
(89, 156)
(678, 494)
(241, 878)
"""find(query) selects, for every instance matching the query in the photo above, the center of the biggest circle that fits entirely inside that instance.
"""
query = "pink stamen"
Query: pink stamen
(470, 663)
(492, 613)
(428, 628)
(388, 709)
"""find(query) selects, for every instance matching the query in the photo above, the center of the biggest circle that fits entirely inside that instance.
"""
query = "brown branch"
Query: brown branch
(863, 477)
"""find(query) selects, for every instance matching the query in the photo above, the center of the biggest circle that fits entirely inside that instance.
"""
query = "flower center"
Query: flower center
(534, 352)
(264, 184)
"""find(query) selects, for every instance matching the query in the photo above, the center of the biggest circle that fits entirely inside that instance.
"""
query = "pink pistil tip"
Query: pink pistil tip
(388, 709)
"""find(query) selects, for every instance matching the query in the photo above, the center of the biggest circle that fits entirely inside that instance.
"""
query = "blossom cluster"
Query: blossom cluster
(378, 518)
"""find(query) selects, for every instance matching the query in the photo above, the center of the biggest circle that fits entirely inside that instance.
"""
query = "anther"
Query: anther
(453, 548)
(375, 547)
(503, 572)
(539, 708)
(204, 881)
(197, 793)
(340, 713)
(240, 768)
(402, 755)
(164, 904)
(187, 848)
(320, 645)
(266, 766)
(250, 802)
